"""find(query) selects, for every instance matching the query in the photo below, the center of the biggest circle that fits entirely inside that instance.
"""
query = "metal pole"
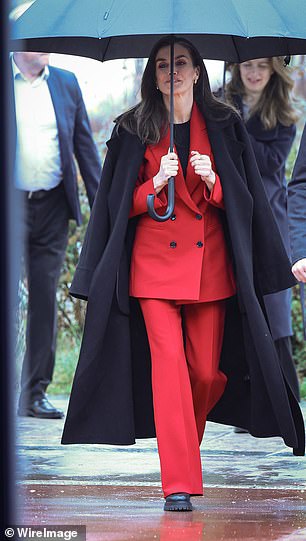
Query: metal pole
(171, 188)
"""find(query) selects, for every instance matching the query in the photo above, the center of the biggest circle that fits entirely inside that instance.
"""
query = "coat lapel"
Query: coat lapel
(199, 142)
(128, 153)
(227, 150)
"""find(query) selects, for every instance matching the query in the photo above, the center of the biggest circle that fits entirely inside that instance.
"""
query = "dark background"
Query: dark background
(7, 431)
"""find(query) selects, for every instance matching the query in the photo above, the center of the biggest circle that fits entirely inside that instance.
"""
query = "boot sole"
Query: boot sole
(40, 415)
(183, 507)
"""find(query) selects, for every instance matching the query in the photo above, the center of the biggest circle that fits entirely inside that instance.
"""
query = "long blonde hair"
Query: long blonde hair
(275, 103)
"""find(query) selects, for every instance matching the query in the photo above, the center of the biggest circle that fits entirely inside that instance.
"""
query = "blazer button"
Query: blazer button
(173, 217)
(198, 216)
(173, 244)
(200, 244)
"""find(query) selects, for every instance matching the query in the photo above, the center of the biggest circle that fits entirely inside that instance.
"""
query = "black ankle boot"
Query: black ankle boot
(179, 501)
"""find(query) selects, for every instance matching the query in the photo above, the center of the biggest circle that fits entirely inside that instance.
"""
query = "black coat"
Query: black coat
(271, 148)
(111, 399)
(297, 204)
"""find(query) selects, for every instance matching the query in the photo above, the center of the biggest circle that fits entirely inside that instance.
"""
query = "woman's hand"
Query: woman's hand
(299, 270)
(202, 166)
(168, 168)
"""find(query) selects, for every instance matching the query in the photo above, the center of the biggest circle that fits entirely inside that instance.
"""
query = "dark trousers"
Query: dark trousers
(45, 241)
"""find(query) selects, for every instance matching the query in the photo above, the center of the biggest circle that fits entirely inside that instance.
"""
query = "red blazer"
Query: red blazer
(184, 258)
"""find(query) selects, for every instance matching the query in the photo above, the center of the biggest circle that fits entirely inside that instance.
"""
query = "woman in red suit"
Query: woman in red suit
(165, 297)
(181, 273)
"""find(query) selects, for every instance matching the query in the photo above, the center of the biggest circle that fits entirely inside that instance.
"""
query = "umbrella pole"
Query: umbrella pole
(171, 197)
(223, 81)
(172, 96)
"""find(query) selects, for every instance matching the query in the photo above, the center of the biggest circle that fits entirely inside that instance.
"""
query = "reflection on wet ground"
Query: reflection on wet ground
(254, 489)
(134, 514)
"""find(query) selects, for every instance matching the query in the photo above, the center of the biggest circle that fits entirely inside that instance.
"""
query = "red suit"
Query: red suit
(181, 272)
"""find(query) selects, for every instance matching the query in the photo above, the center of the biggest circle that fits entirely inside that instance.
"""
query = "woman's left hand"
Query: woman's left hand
(202, 166)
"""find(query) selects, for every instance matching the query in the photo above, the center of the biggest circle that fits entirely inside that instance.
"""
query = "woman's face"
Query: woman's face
(185, 74)
(255, 74)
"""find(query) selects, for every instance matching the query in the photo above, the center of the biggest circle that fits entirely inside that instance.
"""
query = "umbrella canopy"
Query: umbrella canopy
(232, 30)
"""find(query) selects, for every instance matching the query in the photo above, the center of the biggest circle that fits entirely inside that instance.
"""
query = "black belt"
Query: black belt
(40, 194)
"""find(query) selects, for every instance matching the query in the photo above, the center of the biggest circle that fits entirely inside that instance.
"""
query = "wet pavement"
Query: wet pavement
(255, 489)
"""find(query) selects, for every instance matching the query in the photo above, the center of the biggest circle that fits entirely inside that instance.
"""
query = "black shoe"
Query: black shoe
(178, 502)
(42, 409)
(239, 430)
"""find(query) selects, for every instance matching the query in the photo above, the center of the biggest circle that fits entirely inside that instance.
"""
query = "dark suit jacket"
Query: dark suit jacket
(297, 204)
(75, 138)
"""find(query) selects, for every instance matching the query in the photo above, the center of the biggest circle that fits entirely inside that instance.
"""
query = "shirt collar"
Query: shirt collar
(18, 74)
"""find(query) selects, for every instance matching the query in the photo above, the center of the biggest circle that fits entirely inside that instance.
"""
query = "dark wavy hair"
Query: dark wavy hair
(149, 118)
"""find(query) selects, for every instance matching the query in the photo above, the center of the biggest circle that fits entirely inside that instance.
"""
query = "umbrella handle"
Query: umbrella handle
(170, 208)
(171, 197)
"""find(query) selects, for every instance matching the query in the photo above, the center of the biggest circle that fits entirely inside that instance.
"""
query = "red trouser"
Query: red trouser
(185, 344)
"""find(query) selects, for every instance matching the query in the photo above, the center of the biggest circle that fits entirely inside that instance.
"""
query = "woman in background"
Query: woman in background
(261, 90)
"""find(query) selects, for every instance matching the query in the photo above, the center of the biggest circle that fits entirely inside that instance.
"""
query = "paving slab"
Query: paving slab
(254, 489)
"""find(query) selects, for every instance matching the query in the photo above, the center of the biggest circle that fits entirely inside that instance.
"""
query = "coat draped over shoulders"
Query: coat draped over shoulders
(111, 398)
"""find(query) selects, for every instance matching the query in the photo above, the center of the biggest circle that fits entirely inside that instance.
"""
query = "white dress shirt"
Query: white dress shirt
(38, 160)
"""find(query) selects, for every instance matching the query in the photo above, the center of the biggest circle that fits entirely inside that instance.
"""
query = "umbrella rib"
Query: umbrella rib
(105, 50)
(280, 15)
(236, 49)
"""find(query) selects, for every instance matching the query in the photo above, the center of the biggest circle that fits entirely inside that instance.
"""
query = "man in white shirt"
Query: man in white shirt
(51, 128)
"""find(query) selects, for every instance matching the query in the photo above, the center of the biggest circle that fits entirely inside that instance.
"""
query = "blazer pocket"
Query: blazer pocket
(213, 219)
(157, 226)
(213, 225)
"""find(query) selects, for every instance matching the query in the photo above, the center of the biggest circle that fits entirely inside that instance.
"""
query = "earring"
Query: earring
(157, 87)
(195, 81)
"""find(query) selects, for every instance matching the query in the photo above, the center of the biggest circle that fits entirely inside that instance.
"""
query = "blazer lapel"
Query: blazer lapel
(58, 104)
(198, 141)
(156, 152)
